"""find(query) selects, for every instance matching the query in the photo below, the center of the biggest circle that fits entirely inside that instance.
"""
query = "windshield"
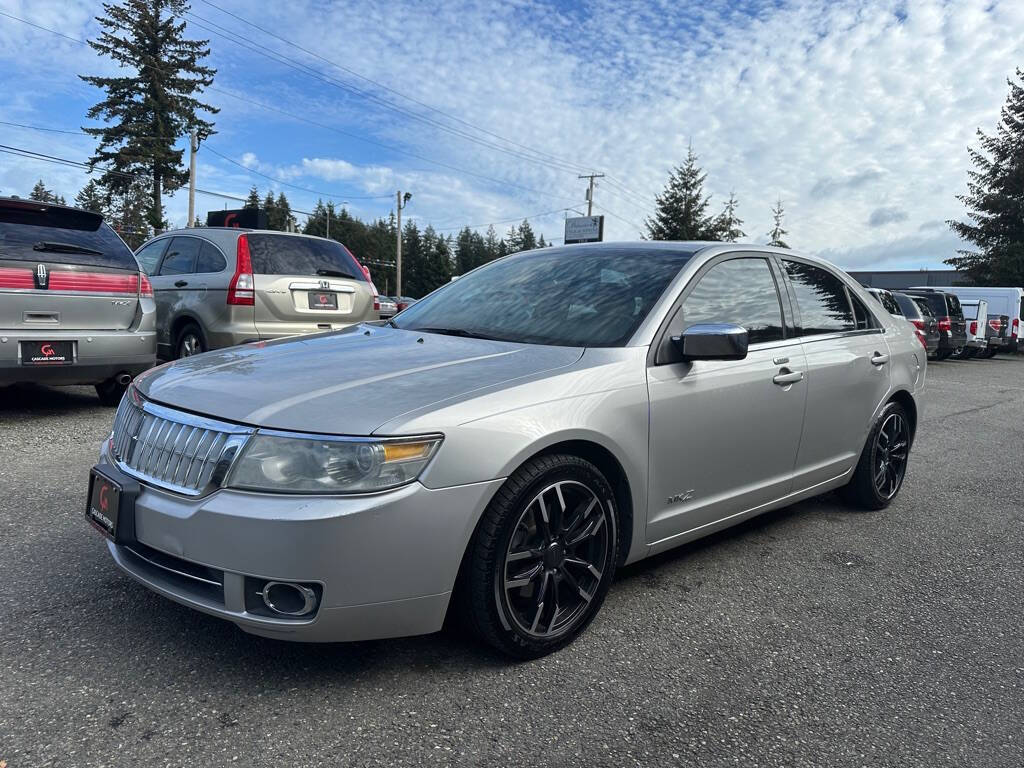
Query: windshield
(561, 296)
(307, 256)
(61, 236)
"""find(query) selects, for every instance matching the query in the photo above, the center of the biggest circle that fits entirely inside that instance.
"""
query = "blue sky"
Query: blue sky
(856, 113)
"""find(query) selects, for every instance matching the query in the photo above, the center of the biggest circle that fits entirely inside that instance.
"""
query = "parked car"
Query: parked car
(507, 442)
(886, 299)
(920, 315)
(220, 286)
(996, 327)
(387, 307)
(1001, 301)
(975, 314)
(404, 302)
(74, 307)
(952, 327)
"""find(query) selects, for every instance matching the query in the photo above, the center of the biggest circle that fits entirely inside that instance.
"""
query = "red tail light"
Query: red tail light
(919, 324)
(145, 287)
(945, 324)
(921, 337)
(1016, 327)
(12, 277)
(974, 327)
(242, 289)
(996, 325)
(376, 303)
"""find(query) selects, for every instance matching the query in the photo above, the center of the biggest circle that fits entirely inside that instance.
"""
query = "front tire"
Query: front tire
(542, 558)
(883, 462)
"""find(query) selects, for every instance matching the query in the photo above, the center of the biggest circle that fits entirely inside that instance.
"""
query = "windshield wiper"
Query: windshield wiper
(54, 247)
(457, 332)
(335, 273)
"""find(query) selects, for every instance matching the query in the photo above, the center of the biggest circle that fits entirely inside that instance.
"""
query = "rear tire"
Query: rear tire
(542, 557)
(883, 462)
(189, 342)
(110, 392)
(943, 354)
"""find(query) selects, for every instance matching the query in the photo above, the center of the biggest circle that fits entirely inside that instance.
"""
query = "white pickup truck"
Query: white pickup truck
(976, 317)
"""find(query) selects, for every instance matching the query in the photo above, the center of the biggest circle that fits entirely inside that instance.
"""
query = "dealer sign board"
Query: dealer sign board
(584, 229)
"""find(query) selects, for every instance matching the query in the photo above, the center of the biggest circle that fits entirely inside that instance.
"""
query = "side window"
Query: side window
(862, 316)
(821, 297)
(888, 302)
(738, 291)
(210, 259)
(149, 255)
(180, 258)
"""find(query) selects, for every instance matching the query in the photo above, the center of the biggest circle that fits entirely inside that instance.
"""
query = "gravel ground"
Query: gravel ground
(812, 636)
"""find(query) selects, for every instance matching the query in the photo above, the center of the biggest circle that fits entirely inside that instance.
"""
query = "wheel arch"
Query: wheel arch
(179, 322)
(905, 399)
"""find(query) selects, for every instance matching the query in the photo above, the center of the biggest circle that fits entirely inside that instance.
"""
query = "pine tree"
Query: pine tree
(93, 198)
(42, 194)
(682, 208)
(511, 241)
(412, 272)
(253, 200)
(285, 221)
(492, 245)
(540, 241)
(153, 106)
(995, 200)
(727, 224)
(777, 233)
(527, 240)
(129, 213)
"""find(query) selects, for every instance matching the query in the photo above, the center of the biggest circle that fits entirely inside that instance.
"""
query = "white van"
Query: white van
(1001, 301)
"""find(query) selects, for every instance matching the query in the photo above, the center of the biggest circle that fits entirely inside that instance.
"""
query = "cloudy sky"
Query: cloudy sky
(856, 113)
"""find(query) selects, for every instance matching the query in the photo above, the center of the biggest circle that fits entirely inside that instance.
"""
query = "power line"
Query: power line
(352, 72)
(503, 221)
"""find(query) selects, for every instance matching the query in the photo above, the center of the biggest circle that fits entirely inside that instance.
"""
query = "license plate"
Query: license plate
(321, 300)
(104, 505)
(47, 353)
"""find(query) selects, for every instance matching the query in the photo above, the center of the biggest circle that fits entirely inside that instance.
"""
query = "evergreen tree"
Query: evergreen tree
(129, 213)
(412, 282)
(465, 251)
(284, 220)
(995, 200)
(682, 208)
(42, 194)
(93, 198)
(512, 241)
(492, 246)
(777, 233)
(253, 200)
(727, 224)
(540, 242)
(154, 105)
(527, 240)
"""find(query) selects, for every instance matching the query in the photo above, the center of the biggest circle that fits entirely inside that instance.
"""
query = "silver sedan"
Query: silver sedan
(501, 447)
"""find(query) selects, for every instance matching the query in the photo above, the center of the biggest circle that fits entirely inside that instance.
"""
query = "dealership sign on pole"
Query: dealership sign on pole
(584, 229)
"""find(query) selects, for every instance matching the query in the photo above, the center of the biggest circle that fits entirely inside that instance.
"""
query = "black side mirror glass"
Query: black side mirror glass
(712, 341)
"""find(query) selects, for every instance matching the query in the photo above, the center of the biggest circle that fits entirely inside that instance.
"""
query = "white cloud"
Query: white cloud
(249, 160)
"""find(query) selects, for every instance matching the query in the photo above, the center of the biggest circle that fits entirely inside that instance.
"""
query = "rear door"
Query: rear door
(956, 316)
(305, 284)
(63, 269)
(847, 372)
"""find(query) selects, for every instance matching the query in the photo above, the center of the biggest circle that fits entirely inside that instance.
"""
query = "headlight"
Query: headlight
(309, 464)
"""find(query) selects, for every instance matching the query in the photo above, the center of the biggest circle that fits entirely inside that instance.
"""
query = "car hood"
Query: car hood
(350, 382)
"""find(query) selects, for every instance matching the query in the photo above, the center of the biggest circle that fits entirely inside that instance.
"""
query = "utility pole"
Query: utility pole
(590, 189)
(193, 147)
(400, 203)
(328, 209)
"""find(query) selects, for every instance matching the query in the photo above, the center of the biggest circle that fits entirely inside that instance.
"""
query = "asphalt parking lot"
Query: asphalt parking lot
(812, 636)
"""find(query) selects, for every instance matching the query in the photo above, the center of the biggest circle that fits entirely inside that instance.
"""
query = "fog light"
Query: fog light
(285, 599)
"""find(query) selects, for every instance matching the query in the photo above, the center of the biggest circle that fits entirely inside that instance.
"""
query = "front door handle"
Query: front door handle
(786, 377)
(180, 283)
(879, 359)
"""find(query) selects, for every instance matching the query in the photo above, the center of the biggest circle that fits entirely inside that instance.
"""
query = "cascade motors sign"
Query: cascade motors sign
(584, 229)
(248, 218)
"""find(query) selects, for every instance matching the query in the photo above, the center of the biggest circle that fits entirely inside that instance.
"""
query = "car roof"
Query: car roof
(39, 205)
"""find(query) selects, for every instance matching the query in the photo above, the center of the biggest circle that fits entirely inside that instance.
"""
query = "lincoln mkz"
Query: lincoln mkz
(501, 447)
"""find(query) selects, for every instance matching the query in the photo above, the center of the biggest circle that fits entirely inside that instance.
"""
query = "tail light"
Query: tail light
(974, 327)
(376, 303)
(996, 324)
(945, 324)
(242, 289)
(919, 324)
(145, 287)
(401, 305)
(1016, 327)
(921, 337)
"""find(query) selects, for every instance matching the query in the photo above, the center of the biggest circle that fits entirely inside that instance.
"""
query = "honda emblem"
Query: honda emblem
(325, 284)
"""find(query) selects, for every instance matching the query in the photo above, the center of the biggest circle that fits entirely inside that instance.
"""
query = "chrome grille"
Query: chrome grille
(173, 449)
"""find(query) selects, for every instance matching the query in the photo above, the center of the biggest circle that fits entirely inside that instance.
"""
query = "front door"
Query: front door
(724, 434)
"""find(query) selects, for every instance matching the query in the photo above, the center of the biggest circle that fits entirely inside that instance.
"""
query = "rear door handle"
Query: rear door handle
(180, 283)
(786, 377)
(879, 359)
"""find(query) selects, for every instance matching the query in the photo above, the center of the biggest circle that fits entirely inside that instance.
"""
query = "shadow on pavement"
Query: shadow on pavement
(34, 398)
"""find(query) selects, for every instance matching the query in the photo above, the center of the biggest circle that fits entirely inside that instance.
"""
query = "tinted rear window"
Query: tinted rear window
(21, 229)
(821, 298)
(954, 306)
(291, 255)
(907, 305)
(924, 306)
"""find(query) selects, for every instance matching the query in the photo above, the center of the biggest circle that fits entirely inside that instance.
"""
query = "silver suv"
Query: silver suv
(74, 308)
(220, 286)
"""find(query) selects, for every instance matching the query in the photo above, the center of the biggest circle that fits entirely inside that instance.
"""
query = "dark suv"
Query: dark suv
(952, 326)
(74, 307)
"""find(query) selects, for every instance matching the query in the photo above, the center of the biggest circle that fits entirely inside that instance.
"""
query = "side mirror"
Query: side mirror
(712, 341)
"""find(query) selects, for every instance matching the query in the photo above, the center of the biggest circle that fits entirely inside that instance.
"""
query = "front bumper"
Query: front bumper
(387, 562)
(100, 355)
